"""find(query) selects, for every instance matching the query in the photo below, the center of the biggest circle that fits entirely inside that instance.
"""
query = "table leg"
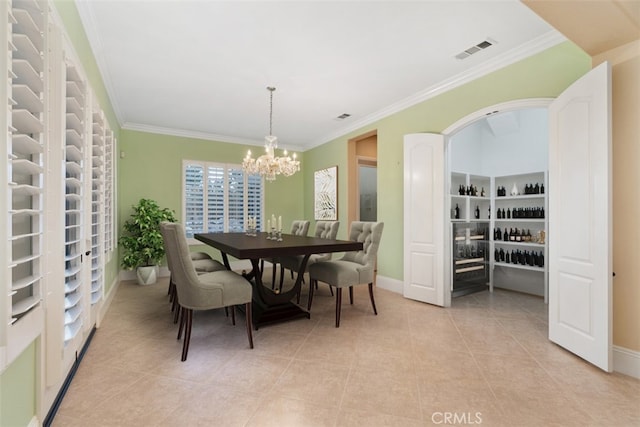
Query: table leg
(272, 307)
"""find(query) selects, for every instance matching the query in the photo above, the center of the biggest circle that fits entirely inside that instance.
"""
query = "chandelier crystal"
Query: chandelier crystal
(269, 165)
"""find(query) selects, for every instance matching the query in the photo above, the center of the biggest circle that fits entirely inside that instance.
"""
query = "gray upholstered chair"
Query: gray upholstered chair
(207, 291)
(324, 230)
(299, 227)
(354, 268)
(203, 263)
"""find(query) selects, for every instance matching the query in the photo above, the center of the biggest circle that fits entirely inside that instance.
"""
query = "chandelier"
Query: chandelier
(269, 165)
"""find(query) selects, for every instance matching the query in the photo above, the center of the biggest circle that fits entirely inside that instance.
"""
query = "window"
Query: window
(219, 198)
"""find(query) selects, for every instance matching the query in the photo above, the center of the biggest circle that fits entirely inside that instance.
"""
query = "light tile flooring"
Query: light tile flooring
(486, 360)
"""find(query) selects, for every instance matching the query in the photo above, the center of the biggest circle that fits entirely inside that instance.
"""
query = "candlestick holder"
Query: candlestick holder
(279, 235)
(272, 234)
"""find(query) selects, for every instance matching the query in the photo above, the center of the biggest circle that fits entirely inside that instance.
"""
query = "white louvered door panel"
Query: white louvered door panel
(74, 203)
(23, 204)
(97, 206)
(109, 210)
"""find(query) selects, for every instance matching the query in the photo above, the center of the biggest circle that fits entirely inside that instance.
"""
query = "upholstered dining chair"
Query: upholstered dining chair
(324, 230)
(203, 263)
(299, 227)
(217, 289)
(354, 268)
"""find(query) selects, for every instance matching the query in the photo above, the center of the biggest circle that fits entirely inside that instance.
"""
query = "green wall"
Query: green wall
(17, 390)
(152, 168)
(546, 74)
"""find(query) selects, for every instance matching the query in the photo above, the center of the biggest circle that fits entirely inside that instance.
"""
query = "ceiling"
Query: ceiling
(201, 68)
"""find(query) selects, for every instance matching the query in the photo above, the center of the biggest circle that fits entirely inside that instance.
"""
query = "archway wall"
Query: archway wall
(543, 75)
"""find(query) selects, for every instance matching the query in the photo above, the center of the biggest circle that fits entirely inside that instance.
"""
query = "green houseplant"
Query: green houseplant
(142, 241)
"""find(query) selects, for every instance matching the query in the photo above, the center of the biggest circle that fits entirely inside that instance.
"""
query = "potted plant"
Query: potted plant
(142, 241)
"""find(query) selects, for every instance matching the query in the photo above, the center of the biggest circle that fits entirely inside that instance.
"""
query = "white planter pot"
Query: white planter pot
(147, 275)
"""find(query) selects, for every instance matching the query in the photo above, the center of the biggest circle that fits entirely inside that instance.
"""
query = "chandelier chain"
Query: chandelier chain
(271, 89)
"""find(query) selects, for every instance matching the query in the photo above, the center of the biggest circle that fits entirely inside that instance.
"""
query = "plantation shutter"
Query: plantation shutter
(215, 207)
(193, 199)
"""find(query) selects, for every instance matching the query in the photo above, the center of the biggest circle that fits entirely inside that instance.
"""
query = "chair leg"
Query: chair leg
(187, 333)
(180, 311)
(176, 311)
(233, 315)
(351, 295)
(338, 305)
(373, 301)
(331, 289)
(247, 309)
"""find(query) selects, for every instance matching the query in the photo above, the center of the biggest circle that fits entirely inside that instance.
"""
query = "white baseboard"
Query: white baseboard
(34, 422)
(393, 285)
(626, 361)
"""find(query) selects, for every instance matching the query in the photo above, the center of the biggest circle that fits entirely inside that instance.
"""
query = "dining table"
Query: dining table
(269, 305)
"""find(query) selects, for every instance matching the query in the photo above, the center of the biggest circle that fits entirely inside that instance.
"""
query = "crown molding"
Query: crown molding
(512, 56)
(202, 135)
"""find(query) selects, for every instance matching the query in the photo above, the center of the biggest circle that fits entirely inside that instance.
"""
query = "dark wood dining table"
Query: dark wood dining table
(271, 306)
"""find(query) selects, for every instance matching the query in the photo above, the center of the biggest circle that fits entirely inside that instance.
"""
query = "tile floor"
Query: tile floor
(486, 360)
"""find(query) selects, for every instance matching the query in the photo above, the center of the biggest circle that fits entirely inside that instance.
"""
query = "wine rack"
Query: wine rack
(470, 257)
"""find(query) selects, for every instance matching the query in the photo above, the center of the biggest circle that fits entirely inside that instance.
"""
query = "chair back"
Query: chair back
(300, 227)
(181, 266)
(369, 233)
(327, 229)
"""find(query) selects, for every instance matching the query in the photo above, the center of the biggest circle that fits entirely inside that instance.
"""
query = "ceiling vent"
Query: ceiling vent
(474, 49)
(343, 116)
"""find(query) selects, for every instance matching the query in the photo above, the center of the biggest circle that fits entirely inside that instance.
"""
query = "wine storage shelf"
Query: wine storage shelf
(477, 211)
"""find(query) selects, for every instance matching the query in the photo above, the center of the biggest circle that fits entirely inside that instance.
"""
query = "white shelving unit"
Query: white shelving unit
(535, 225)
(473, 207)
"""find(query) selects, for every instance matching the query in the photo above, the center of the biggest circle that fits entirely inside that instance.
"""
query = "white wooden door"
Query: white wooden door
(424, 218)
(580, 219)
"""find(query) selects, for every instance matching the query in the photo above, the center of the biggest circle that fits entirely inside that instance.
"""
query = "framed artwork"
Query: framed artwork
(325, 185)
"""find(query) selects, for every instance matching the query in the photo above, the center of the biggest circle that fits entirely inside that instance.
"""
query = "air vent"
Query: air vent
(474, 49)
(343, 116)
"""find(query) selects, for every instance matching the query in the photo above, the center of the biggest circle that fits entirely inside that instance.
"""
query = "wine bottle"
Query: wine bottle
(508, 213)
(506, 235)
(499, 234)
(496, 255)
(457, 212)
(518, 236)
(536, 189)
(512, 236)
(477, 212)
(542, 188)
(501, 254)
(489, 213)
(482, 192)
(507, 258)
(499, 214)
